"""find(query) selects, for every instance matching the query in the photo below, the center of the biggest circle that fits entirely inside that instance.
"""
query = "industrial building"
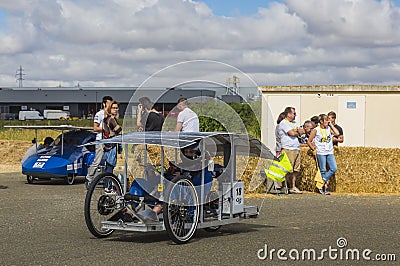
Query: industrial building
(84, 102)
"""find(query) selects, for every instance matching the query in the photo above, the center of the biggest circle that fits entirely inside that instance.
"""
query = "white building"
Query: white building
(368, 114)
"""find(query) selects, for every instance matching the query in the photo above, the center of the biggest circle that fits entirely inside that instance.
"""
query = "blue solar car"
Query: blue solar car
(65, 158)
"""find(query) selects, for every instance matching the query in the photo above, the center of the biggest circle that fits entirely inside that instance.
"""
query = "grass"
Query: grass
(29, 134)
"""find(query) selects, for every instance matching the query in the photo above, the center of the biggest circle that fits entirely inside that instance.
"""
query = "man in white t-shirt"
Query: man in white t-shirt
(289, 132)
(187, 120)
(98, 128)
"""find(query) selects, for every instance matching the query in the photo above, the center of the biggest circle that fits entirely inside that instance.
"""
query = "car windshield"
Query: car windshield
(72, 138)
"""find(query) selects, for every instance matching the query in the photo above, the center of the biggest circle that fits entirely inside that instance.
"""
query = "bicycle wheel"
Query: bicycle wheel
(181, 210)
(100, 203)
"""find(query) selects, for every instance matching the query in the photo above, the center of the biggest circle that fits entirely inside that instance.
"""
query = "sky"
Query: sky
(164, 43)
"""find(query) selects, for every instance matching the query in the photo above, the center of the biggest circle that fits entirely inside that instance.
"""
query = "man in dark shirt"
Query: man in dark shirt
(338, 138)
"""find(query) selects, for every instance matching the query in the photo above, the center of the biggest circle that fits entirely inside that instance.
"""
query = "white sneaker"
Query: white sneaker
(110, 191)
(295, 191)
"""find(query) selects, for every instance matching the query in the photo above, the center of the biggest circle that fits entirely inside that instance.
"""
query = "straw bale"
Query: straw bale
(360, 169)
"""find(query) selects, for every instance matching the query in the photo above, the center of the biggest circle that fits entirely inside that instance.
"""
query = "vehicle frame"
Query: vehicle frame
(103, 211)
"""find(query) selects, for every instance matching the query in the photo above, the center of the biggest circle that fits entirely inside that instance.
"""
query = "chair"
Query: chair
(272, 185)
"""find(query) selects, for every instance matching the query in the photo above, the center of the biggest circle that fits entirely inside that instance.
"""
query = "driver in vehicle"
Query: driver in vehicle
(191, 168)
(37, 147)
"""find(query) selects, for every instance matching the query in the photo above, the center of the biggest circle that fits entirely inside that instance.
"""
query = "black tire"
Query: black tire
(99, 205)
(181, 210)
(30, 179)
(70, 179)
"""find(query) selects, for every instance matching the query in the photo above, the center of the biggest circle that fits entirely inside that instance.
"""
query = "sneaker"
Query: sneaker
(110, 191)
(327, 192)
(321, 191)
(295, 191)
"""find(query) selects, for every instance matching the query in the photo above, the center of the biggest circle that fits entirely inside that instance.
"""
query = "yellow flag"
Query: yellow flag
(318, 178)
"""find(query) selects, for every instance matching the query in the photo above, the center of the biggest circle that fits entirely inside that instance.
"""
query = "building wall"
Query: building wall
(365, 113)
(382, 127)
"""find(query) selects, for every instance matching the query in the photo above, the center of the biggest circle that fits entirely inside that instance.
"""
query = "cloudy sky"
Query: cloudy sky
(123, 42)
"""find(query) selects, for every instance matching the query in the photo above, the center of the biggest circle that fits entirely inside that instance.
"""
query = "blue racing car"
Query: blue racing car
(65, 158)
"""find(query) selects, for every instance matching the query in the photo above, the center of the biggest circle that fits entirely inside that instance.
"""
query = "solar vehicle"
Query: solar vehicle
(197, 193)
(65, 158)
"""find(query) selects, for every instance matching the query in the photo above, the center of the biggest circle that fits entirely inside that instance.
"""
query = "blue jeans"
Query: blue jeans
(331, 161)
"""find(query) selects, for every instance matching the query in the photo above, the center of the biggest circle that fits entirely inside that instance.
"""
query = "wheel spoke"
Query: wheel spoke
(99, 205)
(182, 211)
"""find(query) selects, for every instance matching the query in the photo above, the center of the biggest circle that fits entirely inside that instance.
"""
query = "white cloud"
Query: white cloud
(121, 42)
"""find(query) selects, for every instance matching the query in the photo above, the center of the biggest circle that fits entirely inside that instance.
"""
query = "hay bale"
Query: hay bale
(360, 169)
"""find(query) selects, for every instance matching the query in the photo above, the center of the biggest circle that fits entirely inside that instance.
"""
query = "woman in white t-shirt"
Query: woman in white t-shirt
(320, 142)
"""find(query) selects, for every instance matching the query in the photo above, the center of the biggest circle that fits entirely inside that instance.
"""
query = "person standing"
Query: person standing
(321, 141)
(187, 120)
(336, 138)
(111, 129)
(308, 126)
(289, 132)
(278, 145)
(98, 129)
(315, 120)
(148, 119)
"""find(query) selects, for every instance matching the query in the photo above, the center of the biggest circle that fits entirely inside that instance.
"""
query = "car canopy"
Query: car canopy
(244, 144)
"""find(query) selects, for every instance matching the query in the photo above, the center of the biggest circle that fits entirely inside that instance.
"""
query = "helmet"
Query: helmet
(194, 151)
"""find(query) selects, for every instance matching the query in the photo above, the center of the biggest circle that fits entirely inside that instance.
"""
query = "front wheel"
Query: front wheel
(101, 204)
(181, 210)
(30, 179)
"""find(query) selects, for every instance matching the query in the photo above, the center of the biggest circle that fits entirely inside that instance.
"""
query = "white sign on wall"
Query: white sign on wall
(351, 117)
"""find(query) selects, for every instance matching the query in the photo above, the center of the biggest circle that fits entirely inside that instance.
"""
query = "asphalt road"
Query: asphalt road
(43, 224)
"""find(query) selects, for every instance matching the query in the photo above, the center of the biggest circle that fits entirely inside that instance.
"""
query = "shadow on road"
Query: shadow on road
(152, 237)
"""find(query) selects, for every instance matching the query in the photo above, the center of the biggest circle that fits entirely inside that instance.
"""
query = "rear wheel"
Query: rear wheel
(100, 203)
(70, 179)
(181, 210)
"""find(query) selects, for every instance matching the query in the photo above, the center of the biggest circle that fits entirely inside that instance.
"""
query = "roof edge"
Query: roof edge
(332, 88)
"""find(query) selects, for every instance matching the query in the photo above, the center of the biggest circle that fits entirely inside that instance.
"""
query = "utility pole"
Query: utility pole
(232, 85)
(19, 74)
